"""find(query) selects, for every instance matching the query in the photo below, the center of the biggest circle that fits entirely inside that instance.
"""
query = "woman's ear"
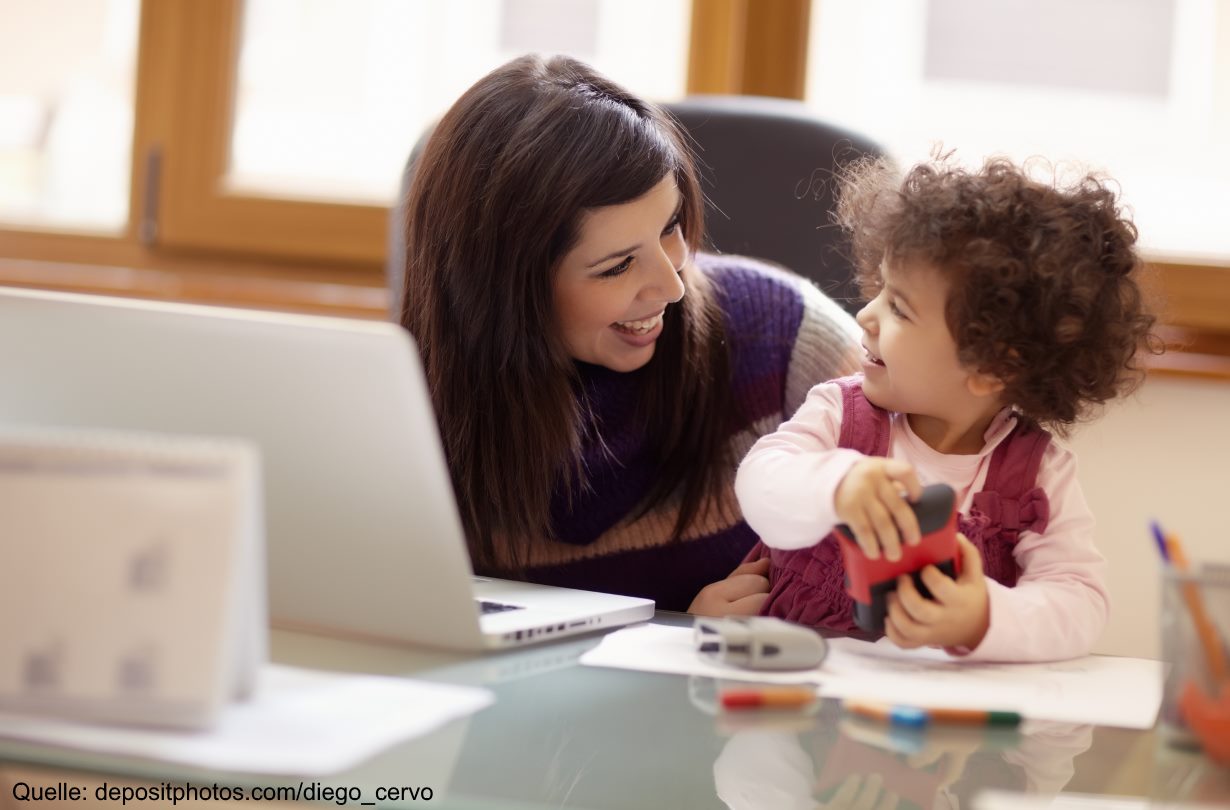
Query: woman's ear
(984, 385)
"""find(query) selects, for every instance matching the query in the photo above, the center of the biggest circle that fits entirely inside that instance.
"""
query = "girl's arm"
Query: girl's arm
(1060, 604)
(785, 485)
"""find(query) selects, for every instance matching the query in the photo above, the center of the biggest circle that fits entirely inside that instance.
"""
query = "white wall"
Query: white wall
(1164, 454)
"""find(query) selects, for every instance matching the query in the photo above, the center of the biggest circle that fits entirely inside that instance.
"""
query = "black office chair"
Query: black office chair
(767, 168)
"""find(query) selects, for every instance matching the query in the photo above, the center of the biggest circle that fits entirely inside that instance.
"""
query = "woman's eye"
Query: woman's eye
(672, 227)
(617, 270)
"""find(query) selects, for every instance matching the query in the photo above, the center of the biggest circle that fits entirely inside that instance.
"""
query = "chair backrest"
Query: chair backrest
(767, 168)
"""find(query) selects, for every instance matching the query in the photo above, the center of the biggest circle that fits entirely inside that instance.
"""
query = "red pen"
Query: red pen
(770, 697)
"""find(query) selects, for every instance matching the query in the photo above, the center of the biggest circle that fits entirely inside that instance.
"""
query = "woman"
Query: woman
(596, 380)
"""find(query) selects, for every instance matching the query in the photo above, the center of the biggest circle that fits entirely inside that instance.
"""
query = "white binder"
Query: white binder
(131, 575)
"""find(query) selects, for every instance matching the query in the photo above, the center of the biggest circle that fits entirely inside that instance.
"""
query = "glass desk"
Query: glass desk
(565, 735)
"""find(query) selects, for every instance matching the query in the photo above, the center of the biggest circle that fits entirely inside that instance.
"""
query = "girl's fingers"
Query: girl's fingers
(865, 536)
(903, 516)
(928, 756)
(885, 530)
(971, 560)
(905, 632)
(866, 798)
(903, 473)
(943, 587)
(846, 791)
(918, 607)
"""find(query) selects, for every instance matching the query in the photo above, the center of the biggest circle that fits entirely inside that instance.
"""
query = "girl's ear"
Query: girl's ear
(984, 385)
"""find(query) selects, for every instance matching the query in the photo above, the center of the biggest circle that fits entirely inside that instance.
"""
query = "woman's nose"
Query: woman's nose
(666, 283)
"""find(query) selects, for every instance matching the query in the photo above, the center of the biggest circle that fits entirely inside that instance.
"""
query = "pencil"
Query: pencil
(915, 717)
(1213, 652)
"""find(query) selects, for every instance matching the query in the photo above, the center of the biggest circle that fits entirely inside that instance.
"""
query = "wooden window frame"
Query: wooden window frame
(741, 47)
(189, 238)
(186, 238)
(190, 134)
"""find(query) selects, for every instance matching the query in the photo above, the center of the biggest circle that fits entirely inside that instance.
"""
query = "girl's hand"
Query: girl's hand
(740, 594)
(958, 616)
(860, 791)
(870, 501)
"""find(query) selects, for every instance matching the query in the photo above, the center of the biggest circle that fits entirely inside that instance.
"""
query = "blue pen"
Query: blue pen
(1160, 537)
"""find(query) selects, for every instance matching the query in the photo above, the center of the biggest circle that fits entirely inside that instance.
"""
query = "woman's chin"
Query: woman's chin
(626, 361)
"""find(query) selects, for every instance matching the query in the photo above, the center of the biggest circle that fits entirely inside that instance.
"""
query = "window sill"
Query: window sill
(348, 294)
(1192, 351)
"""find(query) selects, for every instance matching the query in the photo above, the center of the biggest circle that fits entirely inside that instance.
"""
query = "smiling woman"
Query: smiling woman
(595, 378)
(611, 309)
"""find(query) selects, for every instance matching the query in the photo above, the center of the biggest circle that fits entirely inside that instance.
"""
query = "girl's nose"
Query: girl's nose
(865, 317)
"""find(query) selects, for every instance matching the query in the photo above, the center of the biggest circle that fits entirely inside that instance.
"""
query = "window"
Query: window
(302, 112)
(247, 151)
(332, 94)
(1138, 89)
(67, 76)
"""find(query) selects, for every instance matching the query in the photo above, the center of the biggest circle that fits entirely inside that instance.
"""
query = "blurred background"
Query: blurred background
(233, 130)
(247, 152)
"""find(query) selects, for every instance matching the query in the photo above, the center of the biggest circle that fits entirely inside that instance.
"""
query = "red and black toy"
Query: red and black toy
(869, 582)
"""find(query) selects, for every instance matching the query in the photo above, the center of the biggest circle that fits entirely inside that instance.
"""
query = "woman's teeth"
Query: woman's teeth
(639, 327)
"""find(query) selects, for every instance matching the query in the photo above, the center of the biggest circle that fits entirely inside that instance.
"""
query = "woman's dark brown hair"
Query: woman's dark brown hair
(496, 203)
(1045, 291)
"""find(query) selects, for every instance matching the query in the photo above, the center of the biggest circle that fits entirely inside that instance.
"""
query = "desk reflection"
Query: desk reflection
(845, 763)
(602, 738)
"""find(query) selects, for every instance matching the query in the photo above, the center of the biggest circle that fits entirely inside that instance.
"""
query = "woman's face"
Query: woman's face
(614, 285)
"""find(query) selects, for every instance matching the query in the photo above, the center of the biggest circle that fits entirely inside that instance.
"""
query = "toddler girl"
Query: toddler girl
(1000, 308)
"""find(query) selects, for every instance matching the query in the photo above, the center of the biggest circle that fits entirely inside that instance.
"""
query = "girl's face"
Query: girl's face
(911, 363)
(614, 285)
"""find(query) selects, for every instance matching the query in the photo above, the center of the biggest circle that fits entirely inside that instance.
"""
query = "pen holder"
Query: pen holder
(1195, 633)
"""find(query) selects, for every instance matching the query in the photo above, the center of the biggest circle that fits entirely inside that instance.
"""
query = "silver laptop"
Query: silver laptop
(363, 534)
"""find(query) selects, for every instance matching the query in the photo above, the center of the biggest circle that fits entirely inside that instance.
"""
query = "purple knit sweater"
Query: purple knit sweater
(784, 336)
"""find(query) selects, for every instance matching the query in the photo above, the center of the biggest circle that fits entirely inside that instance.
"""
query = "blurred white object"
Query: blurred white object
(299, 721)
(134, 573)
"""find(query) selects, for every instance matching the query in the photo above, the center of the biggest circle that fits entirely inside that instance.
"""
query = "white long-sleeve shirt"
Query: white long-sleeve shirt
(1059, 605)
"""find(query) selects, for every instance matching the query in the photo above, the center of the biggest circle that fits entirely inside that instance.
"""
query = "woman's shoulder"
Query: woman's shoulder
(742, 278)
(757, 289)
(780, 324)
(763, 302)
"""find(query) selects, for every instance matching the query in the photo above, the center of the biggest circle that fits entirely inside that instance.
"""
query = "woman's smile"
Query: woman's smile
(640, 333)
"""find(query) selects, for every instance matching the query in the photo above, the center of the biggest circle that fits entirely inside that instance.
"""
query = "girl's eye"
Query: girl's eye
(892, 306)
(617, 270)
(672, 227)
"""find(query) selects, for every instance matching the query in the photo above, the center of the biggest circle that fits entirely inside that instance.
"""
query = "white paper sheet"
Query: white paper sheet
(1003, 800)
(300, 723)
(1109, 691)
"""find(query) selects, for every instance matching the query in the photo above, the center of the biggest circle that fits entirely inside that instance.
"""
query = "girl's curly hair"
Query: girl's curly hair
(1045, 291)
